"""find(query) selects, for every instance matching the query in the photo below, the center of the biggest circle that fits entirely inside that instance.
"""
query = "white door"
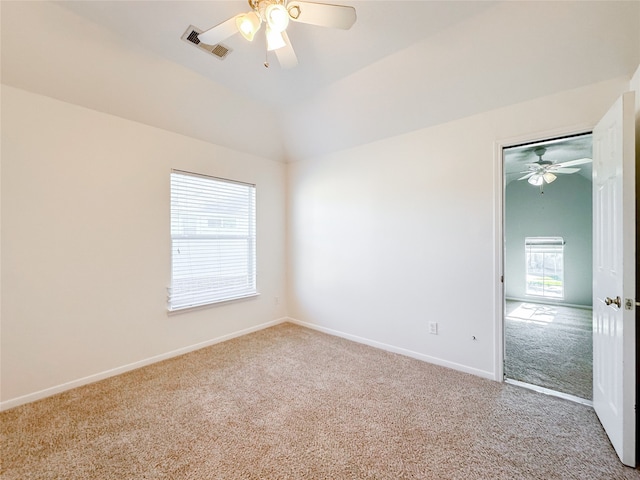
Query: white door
(614, 224)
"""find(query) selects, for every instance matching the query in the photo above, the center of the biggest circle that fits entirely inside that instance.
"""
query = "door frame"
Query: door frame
(499, 218)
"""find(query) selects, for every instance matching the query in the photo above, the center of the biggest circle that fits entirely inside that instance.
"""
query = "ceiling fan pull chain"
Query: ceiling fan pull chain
(266, 59)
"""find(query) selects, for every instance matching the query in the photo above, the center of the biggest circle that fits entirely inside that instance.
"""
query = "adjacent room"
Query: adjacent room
(548, 265)
(286, 253)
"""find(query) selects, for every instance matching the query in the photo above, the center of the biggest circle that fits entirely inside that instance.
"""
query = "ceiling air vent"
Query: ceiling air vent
(191, 36)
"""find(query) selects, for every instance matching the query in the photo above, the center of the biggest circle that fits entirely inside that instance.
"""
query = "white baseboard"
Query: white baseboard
(394, 349)
(547, 391)
(47, 392)
(548, 302)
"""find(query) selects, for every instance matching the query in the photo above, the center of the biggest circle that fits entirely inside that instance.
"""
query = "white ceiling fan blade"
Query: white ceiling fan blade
(322, 14)
(275, 40)
(220, 32)
(564, 170)
(286, 55)
(571, 163)
(527, 175)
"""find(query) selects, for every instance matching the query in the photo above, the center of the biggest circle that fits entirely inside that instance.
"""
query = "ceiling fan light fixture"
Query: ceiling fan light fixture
(277, 17)
(248, 25)
(274, 40)
(549, 177)
(536, 180)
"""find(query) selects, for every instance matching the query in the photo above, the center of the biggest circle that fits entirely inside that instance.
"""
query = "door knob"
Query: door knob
(610, 301)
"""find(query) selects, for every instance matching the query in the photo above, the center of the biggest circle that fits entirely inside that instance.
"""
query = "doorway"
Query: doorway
(548, 266)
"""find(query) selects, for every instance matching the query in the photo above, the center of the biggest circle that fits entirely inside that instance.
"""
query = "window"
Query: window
(213, 240)
(545, 266)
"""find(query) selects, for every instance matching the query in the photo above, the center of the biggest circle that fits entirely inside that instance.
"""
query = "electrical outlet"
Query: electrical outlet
(433, 328)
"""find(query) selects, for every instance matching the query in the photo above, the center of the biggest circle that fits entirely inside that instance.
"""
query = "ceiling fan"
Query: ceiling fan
(544, 171)
(275, 14)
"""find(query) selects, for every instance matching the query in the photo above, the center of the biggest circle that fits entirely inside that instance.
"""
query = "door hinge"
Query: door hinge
(501, 278)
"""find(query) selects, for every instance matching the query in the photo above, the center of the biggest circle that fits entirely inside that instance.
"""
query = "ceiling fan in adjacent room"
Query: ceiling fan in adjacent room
(275, 14)
(545, 171)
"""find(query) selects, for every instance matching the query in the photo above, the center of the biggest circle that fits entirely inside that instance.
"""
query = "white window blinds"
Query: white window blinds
(544, 258)
(213, 240)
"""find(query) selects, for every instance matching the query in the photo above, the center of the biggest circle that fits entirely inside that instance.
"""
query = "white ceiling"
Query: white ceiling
(325, 55)
(404, 65)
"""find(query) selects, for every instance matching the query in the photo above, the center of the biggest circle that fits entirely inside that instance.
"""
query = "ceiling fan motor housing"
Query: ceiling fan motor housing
(540, 151)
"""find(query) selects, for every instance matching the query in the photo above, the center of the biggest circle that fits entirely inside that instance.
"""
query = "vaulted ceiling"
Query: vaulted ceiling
(403, 66)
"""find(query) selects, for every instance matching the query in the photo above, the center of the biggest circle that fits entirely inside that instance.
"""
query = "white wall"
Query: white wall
(86, 245)
(389, 236)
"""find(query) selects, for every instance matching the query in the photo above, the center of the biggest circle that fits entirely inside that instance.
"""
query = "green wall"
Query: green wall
(564, 211)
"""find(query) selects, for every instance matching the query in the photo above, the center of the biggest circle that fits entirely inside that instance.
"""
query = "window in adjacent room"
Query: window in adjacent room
(213, 240)
(545, 266)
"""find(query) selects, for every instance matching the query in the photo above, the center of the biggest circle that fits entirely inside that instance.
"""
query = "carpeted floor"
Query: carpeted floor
(292, 403)
(550, 346)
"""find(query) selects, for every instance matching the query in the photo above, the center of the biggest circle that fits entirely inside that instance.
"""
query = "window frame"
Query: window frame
(544, 246)
(217, 249)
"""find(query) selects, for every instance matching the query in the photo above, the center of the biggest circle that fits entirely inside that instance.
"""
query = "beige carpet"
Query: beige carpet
(291, 403)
